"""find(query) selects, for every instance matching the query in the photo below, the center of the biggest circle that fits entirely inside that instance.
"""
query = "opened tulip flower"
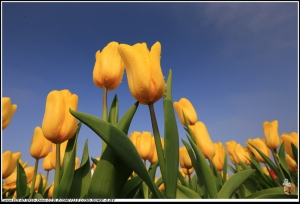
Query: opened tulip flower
(8, 111)
(261, 145)
(219, 157)
(9, 163)
(40, 146)
(58, 123)
(271, 134)
(145, 78)
(288, 139)
(203, 140)
(186, 106)
(10, 182)
(109, 68)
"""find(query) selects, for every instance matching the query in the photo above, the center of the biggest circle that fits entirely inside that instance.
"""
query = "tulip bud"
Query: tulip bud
(109, 67)
(184, 158)
(261, 145)
(231, 151)
(219, 157)
(9, 163)
(143, 145)
(291, 163)
(47, 165)
(185, 105)
(271, 134)
(288, 139)
(8, 111)
(58, 123)
(153, 155)
(40, 146)
(203, 140)
(145, 79)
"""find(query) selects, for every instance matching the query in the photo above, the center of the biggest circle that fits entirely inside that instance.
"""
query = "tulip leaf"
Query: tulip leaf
(68, 166)
(41, 187)
(295, 153)
(272, 193)
(95, 161)
(231, 169)
(260, 176)
(233, 183)
(171, 138)
(37, 195)
(45, 195)
(225, 169)
(182, 179)
(114, 111)
(282, 162)
(121, 145)
(82, 176)
(270, 163)
(131, 187)
(21, 181)
(184, 192)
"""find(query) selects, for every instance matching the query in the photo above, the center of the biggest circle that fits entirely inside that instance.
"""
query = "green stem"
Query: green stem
(104, 113)
(57, 171)
(159, 149)
(34, 178)
(211, 167)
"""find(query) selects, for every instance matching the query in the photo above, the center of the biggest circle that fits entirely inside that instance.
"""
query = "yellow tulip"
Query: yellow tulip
(40, 146)
(265, 170)
(133, 137)
(230, 146)
(241, 154)
(271, 134)
(288, 139)
(219, 158)
(186, 106)
(58, 123)
(184, 158)
(10, 182)
(161, 187)
(226, 176)
(188, 171)
(145, 78)
(9, 163)
(37, 181)
(143, 144)
(291, 163)
(76, 163)
(50, 192)
(8, 111)
(261, 145)
(109, 68)
(153, 155)
(203, 140)
(63, 147)
(47, 165)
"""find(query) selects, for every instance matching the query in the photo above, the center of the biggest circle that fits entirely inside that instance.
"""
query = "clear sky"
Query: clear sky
(236, 62)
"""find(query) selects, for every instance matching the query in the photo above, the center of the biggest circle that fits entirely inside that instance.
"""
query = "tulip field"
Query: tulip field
(266, 168)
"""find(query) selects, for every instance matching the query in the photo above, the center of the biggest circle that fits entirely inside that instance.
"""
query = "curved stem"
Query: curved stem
(159, 149)
(34, 178)
(57, 171)
(104, 113)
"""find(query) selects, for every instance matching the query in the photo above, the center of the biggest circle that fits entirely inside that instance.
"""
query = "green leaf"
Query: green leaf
(182, 180)
(232, 169)
(37, 196)
(171, 142)
(233, 183)
(131, 187)
(282, 161)
(68, 166)
(114, 112)
(82, 176)
(120, 144)
(21, 181)
(186, 193)
(95, 161)
(41, 187)
(45, 195)
(271, 193)
(295, 153)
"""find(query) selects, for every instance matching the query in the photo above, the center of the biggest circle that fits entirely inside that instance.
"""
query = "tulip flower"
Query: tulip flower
(145, 78)
(188, 171)
(23, 164)
(288, 139)
(241, 154)
(291, 163)
(47, 165)
(58, 123)
(143, 144)
(184, 158)
(63, 147)
(37, 181)
(185, 105)
(271, 134)
(109, 68)
(219, 157)
(40, 146)
(133, 136)
(230, 146)
(8, 111)
(203, 140)
(50, 192)
(153, 155)
(10, 182)
(261, 145)
(161, 187)
(9, 163)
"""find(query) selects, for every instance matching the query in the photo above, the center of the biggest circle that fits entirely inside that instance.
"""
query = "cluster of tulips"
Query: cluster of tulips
(121, 171)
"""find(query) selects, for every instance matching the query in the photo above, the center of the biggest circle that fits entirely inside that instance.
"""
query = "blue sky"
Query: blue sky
(236, 62)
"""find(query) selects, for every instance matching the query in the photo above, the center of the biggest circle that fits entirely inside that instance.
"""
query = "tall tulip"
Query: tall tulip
(10, 182)
(9, 163)
(40, 146)
(186, 106)
(109, 68)
(58, 123)
(8, 111)
(145, 78)
(203, 140)
(261, 145)
(219, 157)
(288, 139)
(271, 134)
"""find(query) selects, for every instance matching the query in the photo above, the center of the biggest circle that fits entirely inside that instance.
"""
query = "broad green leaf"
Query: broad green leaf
(295, 153)
(247, 188)
(82, 176)
(171, 142)
(21, 181)
(271, 193)
(282, 161)
(131, 187)
(186, 193)
(233, 183)
(120, 144)
(114, 112)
